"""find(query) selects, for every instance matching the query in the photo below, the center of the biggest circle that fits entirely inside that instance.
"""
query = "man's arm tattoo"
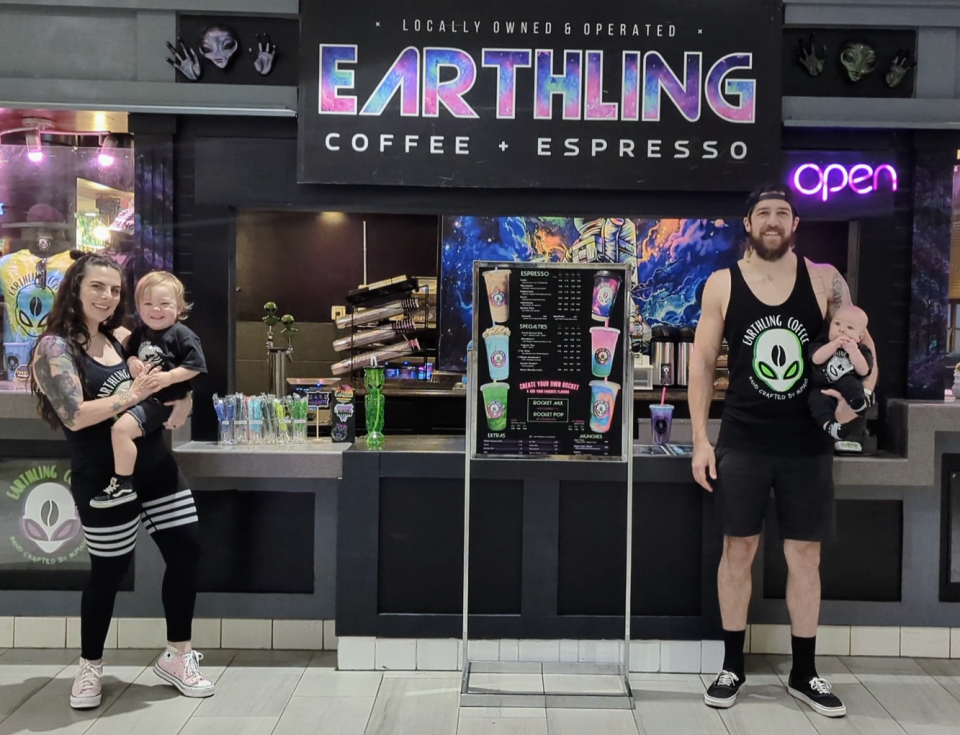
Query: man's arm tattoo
(839, 294)
(58, 380)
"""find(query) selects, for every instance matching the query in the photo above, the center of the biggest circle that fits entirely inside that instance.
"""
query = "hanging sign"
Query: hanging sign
(618, 95)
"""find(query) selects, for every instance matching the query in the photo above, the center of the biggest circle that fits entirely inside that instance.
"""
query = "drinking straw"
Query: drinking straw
(663, 396)
(219, 408)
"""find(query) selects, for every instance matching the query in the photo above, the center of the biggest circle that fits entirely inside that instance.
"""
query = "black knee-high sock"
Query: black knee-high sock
(804, 658)
(733, 641)
(96, 604)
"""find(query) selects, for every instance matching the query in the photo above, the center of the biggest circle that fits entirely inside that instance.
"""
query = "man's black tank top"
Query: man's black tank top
(91, 448)
(766, 404)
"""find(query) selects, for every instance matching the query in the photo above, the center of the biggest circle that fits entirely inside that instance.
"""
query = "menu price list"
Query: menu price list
(551, 359)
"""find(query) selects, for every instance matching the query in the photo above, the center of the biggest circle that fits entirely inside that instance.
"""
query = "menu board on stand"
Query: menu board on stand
(548, 379)
(550, 375)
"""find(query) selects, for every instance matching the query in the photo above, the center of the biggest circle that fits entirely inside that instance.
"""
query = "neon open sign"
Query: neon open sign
(811, 179)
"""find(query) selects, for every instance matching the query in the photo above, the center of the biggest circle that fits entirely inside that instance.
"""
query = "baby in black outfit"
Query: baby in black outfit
(840, 362)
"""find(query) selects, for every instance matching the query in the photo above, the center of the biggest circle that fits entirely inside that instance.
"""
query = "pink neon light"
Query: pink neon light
(106, 160)
(35, 156)
(811, 180)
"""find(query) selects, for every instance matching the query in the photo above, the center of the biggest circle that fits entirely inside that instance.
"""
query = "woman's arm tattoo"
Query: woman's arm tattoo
(58, 379)
(121, 400)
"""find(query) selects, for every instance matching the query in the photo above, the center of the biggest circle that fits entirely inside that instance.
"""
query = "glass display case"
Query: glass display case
(53, 201)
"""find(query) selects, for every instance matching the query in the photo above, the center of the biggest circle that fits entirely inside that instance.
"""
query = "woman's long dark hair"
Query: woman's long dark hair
(66, 321)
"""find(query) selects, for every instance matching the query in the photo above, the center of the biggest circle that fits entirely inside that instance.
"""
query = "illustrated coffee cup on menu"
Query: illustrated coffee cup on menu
(498, 294)
(603, 404)
(661, 422)
(606, 284)
(495, 405)
(603, 345)
(497, 341)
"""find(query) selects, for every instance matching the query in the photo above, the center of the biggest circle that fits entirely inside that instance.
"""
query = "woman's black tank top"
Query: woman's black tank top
(91, 448)
(766, 404)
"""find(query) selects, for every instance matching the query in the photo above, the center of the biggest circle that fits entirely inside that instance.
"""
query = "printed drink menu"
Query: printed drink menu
(549, 341)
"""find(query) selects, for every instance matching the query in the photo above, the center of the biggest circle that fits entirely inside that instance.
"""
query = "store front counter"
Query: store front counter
(548, 542)
(375, 537)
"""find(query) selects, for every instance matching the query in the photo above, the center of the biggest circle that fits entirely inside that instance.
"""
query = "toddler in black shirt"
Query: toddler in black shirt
(840, 362)
(164, 342)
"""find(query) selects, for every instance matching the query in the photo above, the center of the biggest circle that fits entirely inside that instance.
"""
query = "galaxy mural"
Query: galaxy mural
(670, 260)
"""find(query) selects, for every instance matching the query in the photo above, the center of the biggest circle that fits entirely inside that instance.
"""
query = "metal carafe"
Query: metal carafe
(684, 350)
(664, 356)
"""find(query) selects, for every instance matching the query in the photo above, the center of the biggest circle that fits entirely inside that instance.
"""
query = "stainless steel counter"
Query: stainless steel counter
(914, 426)
(315, 459)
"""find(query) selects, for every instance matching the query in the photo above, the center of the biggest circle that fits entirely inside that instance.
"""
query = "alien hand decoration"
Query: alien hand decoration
(184, 61)
(810, 56)
(264, 55)
(901, 64)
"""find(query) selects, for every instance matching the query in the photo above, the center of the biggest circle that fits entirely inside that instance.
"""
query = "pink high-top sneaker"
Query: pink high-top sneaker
(86, 685)
(183, 671)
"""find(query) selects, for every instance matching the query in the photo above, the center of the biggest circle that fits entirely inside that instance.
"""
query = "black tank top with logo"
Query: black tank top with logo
(91, 448)
(766, 404)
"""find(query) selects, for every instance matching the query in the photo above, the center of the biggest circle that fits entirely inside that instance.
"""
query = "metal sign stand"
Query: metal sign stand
(473, 697)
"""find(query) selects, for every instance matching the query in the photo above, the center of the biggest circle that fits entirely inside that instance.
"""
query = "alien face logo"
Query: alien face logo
(498, 298)
(778, 359)
(494, 409)
(603, 356)
(601, 409)
(498, 359)
(49, 517)
(32, 308)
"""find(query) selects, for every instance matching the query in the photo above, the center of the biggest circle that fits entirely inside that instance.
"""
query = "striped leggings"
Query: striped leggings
(166, 509)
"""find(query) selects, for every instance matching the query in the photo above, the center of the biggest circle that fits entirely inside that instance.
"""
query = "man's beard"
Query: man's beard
(765, 253)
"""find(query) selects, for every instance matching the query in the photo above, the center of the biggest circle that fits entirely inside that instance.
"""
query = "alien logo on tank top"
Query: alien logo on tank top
(778, 359)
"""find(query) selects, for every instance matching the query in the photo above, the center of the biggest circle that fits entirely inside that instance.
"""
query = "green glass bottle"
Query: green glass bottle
(373, 378)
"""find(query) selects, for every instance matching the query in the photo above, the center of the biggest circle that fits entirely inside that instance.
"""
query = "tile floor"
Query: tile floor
(294, 693)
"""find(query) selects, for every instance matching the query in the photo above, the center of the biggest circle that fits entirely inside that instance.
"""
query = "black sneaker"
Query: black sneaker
(818, 694)
(114, 494)
(723, 692)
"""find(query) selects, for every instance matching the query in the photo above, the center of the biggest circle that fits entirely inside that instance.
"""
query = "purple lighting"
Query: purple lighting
(35, 156)
(812, 180)
(106, 160)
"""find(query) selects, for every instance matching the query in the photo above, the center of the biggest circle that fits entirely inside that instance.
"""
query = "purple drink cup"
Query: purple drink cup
(661, 422)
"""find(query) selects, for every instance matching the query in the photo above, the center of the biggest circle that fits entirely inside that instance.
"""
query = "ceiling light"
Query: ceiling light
(107, 148)
(34, 146)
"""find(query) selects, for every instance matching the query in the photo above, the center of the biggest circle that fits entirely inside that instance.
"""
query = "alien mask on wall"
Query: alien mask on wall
(858, 59)
(219, 44)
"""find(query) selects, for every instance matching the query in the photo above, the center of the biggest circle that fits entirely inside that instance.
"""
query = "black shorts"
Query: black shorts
(150, 414)
(802, 487)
